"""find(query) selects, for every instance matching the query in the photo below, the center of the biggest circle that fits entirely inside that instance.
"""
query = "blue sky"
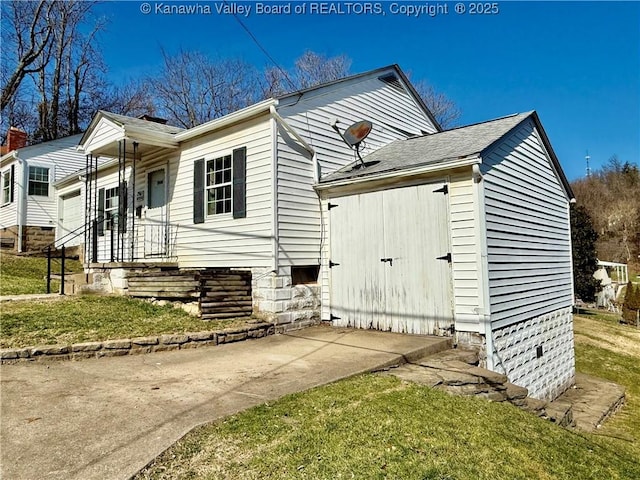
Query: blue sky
(576, 63)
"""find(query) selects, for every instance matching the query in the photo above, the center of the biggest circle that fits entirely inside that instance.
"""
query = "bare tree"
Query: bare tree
(313, 68)
(27, 31)
(56, 48)
(132, 98)
(192, 88)
(444, 110)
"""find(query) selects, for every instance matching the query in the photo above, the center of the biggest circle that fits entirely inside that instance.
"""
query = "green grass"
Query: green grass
(71, 320)
(370, 427)
(607, 349)
(21, 275)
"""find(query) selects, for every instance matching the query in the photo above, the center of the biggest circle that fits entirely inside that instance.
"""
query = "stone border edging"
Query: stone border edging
(139, 345)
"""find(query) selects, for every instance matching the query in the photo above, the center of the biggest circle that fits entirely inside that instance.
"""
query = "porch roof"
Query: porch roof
(108, 129)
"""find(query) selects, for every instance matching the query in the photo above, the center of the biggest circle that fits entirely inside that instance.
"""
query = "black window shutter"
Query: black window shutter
(122, 207)
(198, 191)
(12, 182)
(100, 218)
(240, 182)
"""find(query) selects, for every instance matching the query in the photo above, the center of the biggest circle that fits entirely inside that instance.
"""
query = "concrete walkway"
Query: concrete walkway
(107, 418)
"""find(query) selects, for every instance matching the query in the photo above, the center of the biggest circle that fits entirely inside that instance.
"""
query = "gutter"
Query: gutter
(226, 121)
(398, 173)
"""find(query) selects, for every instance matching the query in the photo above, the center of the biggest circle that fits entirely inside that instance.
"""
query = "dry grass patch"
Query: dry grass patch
(70, 320)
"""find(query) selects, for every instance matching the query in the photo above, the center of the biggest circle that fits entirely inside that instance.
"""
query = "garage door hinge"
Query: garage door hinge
(332, 205)
(333, 317)
(333, 264)
(444, 189)
(446, 257)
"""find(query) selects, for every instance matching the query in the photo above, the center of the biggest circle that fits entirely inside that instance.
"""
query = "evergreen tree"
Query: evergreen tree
(631, 303)
(585, 262)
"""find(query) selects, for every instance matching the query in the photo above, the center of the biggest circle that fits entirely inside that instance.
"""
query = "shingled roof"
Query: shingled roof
(434, 149)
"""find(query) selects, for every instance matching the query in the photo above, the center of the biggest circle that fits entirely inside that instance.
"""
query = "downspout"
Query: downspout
(484, 310)
(314, 163)
(22, 201)
(274, 195)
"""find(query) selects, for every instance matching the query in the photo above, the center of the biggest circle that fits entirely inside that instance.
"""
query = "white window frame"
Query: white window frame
(6, 187)
(38, 181)
(218, 185)
(111, 204)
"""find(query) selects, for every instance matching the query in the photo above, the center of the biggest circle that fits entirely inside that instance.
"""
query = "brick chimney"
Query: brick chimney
(16, 139)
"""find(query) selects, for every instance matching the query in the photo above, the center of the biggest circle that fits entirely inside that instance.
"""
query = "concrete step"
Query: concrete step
(593, 400)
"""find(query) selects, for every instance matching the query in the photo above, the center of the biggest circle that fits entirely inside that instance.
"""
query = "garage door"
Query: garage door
(72, 219)
(390, 263)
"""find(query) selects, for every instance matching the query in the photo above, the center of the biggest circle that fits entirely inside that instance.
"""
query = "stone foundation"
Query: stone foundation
(290, 307)
(538, 354)
(34, 239)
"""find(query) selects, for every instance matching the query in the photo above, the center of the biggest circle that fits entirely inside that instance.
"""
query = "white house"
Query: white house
(28, 207)
(466, 231)
(462, 232)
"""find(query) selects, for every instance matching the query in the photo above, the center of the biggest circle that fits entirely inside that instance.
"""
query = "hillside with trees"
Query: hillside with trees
(611, 198)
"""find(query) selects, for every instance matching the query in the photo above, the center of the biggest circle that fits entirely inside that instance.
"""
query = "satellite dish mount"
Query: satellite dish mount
(354, 135)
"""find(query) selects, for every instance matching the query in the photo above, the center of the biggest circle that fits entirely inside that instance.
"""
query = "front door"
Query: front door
(389, 260)
(156, 227)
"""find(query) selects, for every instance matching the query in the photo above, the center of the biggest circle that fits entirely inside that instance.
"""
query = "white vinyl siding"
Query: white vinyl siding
(527, 230)
(106, 133)
(394, 115)
(9, 211)
(464, 249)
(222, 241)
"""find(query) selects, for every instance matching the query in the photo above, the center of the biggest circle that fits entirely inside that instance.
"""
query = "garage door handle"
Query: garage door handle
(390, 260)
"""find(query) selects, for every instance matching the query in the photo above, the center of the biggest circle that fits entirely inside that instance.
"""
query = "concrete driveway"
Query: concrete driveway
(107, 418)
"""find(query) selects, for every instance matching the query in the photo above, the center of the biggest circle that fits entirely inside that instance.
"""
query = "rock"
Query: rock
(174, 339)
(86, 347)
(200, 336)
(117, 344)
(514, 392)
(8, 354)
(458, 378)
(143, 341)
(50, 350)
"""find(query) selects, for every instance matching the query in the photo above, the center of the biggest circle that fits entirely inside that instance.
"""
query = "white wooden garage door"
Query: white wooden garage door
(72, 219)
(390, 269)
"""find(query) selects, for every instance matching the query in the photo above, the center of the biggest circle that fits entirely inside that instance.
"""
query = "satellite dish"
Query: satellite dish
(354, 135)
(357, 132)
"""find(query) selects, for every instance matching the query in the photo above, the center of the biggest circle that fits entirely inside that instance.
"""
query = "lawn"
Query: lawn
(371, 426)
(22, 275)
(69, 320)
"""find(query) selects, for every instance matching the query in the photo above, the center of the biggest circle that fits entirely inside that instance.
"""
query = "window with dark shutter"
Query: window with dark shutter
(240, 182)
(198, 191)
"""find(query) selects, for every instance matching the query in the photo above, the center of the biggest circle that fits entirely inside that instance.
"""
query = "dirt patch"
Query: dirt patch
(625, 340)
